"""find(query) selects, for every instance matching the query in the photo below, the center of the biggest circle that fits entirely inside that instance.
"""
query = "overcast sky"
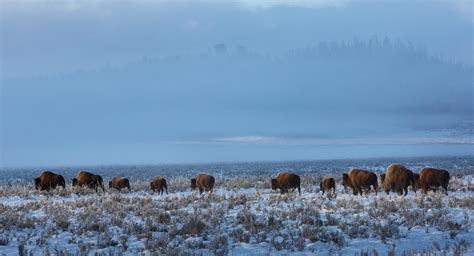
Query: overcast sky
(230, 109)
(53, 36)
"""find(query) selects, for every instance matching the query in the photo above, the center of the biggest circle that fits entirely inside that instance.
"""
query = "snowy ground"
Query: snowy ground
(243, 216)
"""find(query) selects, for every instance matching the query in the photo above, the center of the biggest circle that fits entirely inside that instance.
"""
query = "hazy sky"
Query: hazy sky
(53, 36)
(229, 109)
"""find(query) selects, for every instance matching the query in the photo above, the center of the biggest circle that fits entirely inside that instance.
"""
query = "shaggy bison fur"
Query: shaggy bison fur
(285, 181)
(431, 178)
(327, 184)
(119, 183)
(49, 180)
(398, 178)
(203, 182)
(359, 180)
(158, 183)
(88, 179)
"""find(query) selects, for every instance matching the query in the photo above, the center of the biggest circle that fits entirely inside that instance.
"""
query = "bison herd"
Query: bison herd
(397, 178)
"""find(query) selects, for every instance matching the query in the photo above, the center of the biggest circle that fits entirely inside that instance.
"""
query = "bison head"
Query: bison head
(74, 182)
(62, 182)
(346, 181)
(274, 184)
(193, 183)
(37, 183)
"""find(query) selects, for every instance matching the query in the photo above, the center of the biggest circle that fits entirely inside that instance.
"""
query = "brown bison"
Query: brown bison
(398, 178)
(358, 179)
(431, 178)
(88, 179)
(203, 182)
(327, 184)
(119, 183)
(285, 181)
(49, 180)
(159, 184)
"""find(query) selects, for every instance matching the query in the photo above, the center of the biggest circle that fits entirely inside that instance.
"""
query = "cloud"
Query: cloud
(389, 140)
(253, 4)
(465, 8)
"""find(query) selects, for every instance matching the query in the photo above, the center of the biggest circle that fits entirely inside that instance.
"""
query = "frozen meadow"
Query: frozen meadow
(242, 216)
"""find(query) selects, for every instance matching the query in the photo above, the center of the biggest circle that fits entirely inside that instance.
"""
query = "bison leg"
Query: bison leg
(299, 190)
(400, 191)
(354, 191)
(200, 191)
(323, 191)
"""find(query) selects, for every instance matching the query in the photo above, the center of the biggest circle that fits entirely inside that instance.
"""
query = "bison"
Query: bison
(398, 178)
(358, 179)
(159, 183)
(285, 181)
(203, 182)
(88, 179)
(49, 180)
(327, 184)
(119, 183)
(431, 178)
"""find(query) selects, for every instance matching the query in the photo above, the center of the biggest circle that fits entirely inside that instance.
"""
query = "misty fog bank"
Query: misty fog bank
(332, 90)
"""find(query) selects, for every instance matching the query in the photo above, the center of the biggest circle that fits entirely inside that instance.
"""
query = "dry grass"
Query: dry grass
(113, 222)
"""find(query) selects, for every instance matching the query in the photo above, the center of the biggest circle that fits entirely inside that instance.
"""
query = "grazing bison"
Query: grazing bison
(326, 184)
(119, 183)
(431, 178)
(398, 178)
(159, 183)
(285, 181)
(203, 182)
(49, 180)
(88, 179)
(358, 179)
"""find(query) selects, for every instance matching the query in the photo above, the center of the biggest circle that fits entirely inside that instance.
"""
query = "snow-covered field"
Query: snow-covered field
(242, 216)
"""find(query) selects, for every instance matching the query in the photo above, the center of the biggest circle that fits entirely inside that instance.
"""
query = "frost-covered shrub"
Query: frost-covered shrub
(461, 202)
(386, 228)
(193, 225)
(309, 232)
(412, 217)
(250, 221)
(4, 240)
(357, 227)
(241, 234)
(331, 219)
(331, 236)
(219, 244)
